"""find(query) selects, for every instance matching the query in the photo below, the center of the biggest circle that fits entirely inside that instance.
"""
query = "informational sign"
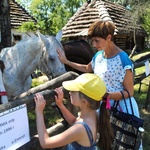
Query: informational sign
(14, 128)
(147, 68)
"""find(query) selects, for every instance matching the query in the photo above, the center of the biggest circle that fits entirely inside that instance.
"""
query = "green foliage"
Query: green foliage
(35, 83)
(51, 15)
(27, 26)
(146, 18)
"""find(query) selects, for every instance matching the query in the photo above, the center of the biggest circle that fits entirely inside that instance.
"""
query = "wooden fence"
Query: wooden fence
(46, 90)
(137, 64)
(139, 77)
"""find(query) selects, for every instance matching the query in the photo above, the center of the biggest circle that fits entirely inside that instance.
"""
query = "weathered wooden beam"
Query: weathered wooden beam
(56, 82)
(28, 100)
(28, 97)
(139, 78)
(148, 97)
(34, 142)
(141, 63)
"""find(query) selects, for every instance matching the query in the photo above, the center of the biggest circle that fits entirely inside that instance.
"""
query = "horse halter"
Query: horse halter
(48, 72)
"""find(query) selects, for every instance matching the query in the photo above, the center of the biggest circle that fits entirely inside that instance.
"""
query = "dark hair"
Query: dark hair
(101, 29)
(93, 103)
(105, 130)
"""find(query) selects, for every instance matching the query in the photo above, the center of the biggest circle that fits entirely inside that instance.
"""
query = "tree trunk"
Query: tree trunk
(135, 46)
(5, 24)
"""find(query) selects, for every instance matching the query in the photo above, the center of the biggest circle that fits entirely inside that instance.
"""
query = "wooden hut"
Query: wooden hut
(18, 15)
(78, 24)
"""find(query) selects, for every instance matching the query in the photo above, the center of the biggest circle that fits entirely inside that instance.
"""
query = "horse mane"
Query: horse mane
(79, 46)
(2, 66)
(74, 42)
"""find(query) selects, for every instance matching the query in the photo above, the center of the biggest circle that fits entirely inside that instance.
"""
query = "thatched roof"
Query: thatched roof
(100, 9)
(18, 15)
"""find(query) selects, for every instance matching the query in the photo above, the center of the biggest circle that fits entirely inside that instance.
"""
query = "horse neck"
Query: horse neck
(30, 56)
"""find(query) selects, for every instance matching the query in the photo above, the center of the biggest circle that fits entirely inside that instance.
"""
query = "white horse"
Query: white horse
(25, 57)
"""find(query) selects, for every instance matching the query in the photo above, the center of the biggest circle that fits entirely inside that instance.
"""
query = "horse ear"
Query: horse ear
(59, 35)
(43, 38)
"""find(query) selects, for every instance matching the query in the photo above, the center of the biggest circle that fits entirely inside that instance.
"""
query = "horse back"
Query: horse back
(79, 52)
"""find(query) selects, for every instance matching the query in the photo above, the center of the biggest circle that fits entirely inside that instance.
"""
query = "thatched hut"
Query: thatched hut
(78, 24)
(18, 15)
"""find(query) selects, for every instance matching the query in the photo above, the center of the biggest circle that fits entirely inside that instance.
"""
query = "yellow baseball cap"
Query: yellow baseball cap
(89, 84)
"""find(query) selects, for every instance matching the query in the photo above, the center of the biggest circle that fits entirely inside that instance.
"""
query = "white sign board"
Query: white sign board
(14, 128)
(147, 69)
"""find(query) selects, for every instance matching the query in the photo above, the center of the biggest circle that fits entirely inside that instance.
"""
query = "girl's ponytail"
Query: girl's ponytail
(104, 128)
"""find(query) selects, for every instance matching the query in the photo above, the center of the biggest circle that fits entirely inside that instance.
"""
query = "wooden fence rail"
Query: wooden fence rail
(137, 64)
(46, 89)
(139, 77)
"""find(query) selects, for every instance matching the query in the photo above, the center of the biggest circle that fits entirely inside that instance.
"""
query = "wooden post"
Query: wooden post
(5, 24)
(148, 97)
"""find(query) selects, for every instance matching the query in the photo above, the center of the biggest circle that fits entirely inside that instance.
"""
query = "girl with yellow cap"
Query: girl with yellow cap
(86, 92)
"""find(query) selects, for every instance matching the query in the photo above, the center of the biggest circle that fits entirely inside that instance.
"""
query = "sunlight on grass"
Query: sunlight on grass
(141, 96)
(39, 80)
(137, 56)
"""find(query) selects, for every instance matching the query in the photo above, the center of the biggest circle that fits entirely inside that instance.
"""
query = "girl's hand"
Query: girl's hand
(61, 56)
(59, 97)
(39, 103)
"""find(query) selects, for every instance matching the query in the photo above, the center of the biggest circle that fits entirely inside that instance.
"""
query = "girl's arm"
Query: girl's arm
(77, 66)
(70, 118)
(74, 133)
(70, 135)
(41, 128)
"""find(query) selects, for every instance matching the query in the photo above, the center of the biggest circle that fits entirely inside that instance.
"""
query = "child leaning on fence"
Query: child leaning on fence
(85, 92)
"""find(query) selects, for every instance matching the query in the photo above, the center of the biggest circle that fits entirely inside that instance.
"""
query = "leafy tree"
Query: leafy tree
(51, 15)
(146, 20)
(138, 10)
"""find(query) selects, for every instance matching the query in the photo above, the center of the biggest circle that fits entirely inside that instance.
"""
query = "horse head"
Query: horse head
(49, 62)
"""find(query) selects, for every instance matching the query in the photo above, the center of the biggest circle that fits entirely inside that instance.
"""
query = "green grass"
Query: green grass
(145, 114)
(51, 115)
(141, 100)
